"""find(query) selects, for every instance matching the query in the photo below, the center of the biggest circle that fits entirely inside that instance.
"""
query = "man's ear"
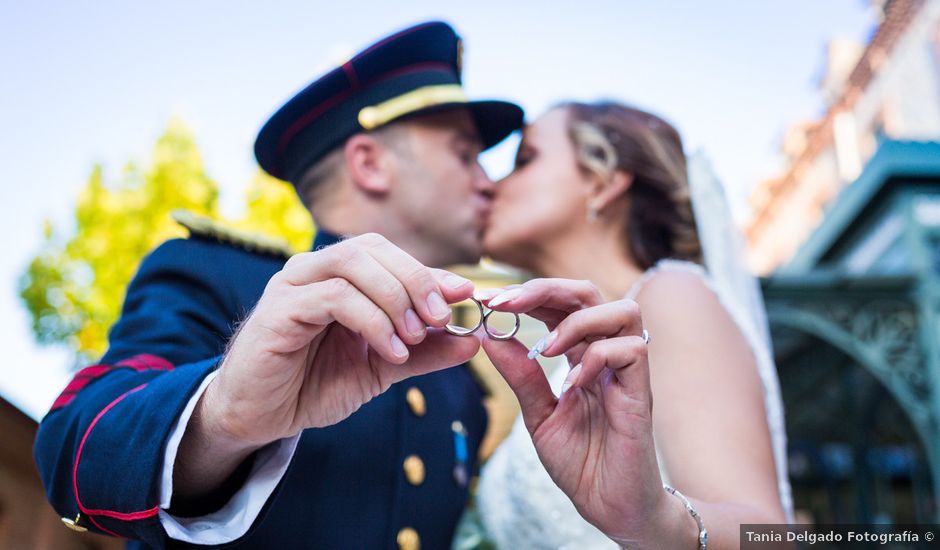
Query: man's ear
(371, 164)
(606, 192)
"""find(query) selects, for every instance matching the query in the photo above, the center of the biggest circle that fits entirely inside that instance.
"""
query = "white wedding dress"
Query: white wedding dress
(519, 506)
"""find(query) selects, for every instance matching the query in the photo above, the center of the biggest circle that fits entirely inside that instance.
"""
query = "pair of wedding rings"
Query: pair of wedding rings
(485, 323)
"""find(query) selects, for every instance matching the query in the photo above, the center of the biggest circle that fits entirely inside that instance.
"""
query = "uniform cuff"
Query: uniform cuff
(234, 519)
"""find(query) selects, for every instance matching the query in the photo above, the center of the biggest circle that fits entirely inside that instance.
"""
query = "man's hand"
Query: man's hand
(330, 332)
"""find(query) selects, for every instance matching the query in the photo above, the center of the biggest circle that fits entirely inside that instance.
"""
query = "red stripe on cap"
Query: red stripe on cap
(351, 74)
(408, 69)
(309, 117)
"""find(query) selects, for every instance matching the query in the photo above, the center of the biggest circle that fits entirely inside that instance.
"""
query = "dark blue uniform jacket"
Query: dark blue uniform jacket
(100, 449)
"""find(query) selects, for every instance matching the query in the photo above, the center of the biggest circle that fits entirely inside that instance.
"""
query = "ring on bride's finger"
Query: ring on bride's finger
(646, 337)
(457, 330)
(499, 335)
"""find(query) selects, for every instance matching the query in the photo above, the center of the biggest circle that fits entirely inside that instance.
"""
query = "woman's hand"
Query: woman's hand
(596, 440)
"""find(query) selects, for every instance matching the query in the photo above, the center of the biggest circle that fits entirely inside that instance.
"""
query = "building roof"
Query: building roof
(19, 431)
(894, 160)
(897, 15)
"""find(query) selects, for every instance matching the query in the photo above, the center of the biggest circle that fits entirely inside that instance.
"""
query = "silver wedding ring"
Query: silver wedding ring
(646, 337)
(457, 330)
(495, 335)
(484, 322)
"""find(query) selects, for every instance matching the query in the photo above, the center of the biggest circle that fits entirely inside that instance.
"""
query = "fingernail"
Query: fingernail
(542, 344)
(506, 296)
(486, 293)
(437, 306)
(455, 281)
(413, 324)
(572, 378)
(398, 347)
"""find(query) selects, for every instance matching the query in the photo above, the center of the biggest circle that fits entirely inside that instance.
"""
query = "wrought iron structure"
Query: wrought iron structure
(864, 292)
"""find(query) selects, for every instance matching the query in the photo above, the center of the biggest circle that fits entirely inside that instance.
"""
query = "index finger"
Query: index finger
(428, 289)
(526, 379)
(561, 295)
(618, 318)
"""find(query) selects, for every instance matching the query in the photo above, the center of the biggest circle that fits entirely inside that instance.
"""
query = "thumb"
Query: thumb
(526, 379)
(439, 350)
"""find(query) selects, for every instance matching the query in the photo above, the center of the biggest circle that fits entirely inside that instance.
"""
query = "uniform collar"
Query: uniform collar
(325, 238)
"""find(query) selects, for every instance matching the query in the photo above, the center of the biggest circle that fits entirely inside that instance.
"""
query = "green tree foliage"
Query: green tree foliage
(75, 285)
(272, 208)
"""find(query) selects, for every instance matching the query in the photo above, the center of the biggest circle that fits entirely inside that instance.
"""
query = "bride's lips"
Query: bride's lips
(483, 210)
(484, 214)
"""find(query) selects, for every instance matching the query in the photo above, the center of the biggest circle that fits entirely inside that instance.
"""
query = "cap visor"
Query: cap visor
(495, 120)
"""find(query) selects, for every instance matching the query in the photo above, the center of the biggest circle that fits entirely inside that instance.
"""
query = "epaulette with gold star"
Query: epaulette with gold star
(202, 226)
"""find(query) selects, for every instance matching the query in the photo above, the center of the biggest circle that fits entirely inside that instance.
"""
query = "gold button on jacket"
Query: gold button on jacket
(73, 524)
(414, 470)
(408, 539)
(416, 401)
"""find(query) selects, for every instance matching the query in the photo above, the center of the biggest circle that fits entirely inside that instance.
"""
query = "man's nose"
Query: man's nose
(482, 182)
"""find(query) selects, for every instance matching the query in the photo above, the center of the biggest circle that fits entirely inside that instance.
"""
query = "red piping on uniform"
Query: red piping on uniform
(78, 382)
(145, 361)
(132, 516)
(108, 531)
(126, 516)
(85, 376)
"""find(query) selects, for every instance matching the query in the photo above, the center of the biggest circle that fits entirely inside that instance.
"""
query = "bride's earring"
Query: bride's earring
(592, 212)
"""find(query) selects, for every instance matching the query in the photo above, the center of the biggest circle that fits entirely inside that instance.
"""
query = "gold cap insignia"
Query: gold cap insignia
(373, 116)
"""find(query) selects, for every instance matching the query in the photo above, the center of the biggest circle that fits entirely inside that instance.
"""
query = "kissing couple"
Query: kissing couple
(319, 401)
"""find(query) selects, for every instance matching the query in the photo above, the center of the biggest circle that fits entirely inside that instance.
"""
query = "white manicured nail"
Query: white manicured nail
(506, 296)
(486, 293)
(542, 344)
(572, 378)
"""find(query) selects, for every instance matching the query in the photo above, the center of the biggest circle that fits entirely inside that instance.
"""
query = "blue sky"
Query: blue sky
(97, 82)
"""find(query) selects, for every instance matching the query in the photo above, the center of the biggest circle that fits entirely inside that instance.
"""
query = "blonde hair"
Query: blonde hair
(610, 137)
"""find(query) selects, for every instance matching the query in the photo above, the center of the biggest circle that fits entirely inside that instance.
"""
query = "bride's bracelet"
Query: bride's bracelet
(702, 531)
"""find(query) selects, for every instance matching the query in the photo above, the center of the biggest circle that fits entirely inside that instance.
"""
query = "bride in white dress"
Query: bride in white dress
(600, 192)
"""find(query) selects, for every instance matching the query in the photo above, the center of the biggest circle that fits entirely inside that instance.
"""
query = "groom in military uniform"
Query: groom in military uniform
(251, 400)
